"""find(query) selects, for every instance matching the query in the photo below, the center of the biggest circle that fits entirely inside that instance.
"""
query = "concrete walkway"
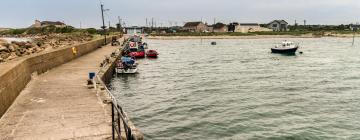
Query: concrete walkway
(58, 105)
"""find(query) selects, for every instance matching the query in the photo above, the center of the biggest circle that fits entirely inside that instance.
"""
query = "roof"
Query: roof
(52, 23)
(249, 24)
(278, 21)
(219, 25)
(192, 24)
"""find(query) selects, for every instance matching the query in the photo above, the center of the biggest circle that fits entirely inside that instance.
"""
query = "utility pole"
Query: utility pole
(103, 20)
(109, 25)
(146, 23)
(119, 24)
(152, 24)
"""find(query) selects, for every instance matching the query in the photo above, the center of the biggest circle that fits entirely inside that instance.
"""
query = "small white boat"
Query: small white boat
(126, 65)
(122, 70)
(286, 47)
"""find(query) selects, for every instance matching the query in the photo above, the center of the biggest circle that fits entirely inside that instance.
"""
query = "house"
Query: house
(39, 24)
(220, 28)
(195, 26)
(250, 27)
(278, 25)
(134, 30)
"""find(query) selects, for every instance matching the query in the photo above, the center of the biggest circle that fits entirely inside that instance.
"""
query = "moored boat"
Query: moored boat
(152, 54)
(126, 65)
(137, 54)
(135, 49)
(286, 47)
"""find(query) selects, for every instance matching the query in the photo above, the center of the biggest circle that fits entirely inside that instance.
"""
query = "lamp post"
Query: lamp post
(103, 21)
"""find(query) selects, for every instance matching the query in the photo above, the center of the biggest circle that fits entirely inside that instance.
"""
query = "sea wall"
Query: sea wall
(15, 75)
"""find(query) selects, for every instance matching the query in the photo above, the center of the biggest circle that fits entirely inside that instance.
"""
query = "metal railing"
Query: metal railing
(119, 119)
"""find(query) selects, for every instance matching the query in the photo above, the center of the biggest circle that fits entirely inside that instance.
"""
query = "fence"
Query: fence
(119, 119)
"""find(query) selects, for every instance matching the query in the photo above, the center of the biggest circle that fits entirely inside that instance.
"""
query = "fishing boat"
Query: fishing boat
(137, 54)
(136, 50)
(126, 65)
(286, 47)
(152, 54)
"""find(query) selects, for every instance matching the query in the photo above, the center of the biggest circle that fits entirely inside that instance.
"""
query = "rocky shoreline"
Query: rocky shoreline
(39, 43)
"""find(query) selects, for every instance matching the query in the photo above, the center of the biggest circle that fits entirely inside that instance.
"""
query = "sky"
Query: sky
(87, 13)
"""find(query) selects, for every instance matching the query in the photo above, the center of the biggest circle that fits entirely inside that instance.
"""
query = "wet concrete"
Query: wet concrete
(58, 104)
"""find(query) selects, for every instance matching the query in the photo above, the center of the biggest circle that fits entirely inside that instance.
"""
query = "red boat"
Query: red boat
(152, 54)
(137, 54)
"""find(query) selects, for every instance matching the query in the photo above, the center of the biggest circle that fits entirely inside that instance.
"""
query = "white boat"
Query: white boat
(286, 47)
(132, 70)
(126, 65)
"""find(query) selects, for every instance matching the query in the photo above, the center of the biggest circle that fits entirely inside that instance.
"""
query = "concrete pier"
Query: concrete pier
(58, 104)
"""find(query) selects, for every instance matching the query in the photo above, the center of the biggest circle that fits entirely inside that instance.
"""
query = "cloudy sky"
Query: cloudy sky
(22, 13)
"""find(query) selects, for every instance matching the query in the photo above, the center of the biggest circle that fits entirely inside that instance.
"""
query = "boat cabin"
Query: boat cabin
(287, 44)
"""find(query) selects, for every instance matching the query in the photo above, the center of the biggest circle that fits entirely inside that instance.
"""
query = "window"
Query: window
(274, 26)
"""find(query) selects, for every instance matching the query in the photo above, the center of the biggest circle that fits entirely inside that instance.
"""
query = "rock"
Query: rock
(12, 56)
(4, 55)
(18, 52)
(11, 48)
(19, 43)
(30, 50)
(4, 49)
(28, 45)
(27, 53)
(1, 60)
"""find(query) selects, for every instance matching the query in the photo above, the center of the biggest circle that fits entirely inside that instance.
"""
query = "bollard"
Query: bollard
(91, 75)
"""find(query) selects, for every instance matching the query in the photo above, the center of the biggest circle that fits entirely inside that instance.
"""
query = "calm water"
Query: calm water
(239, 90)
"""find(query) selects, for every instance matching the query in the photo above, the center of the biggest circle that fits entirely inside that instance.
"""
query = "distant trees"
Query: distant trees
(341, 27)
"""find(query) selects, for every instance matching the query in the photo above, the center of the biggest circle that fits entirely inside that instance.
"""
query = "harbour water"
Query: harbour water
(239, 90)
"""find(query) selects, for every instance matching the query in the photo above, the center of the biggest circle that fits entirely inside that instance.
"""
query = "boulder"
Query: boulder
(4, 55)
(4, 49)
(12, 56)
(28, 45)
(18, 52)
(11, 48)
(19, 43)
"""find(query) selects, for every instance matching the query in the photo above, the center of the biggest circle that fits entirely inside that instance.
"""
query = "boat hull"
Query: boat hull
(126, 71)
(284, 50)
(137, 54)
(152, 54)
